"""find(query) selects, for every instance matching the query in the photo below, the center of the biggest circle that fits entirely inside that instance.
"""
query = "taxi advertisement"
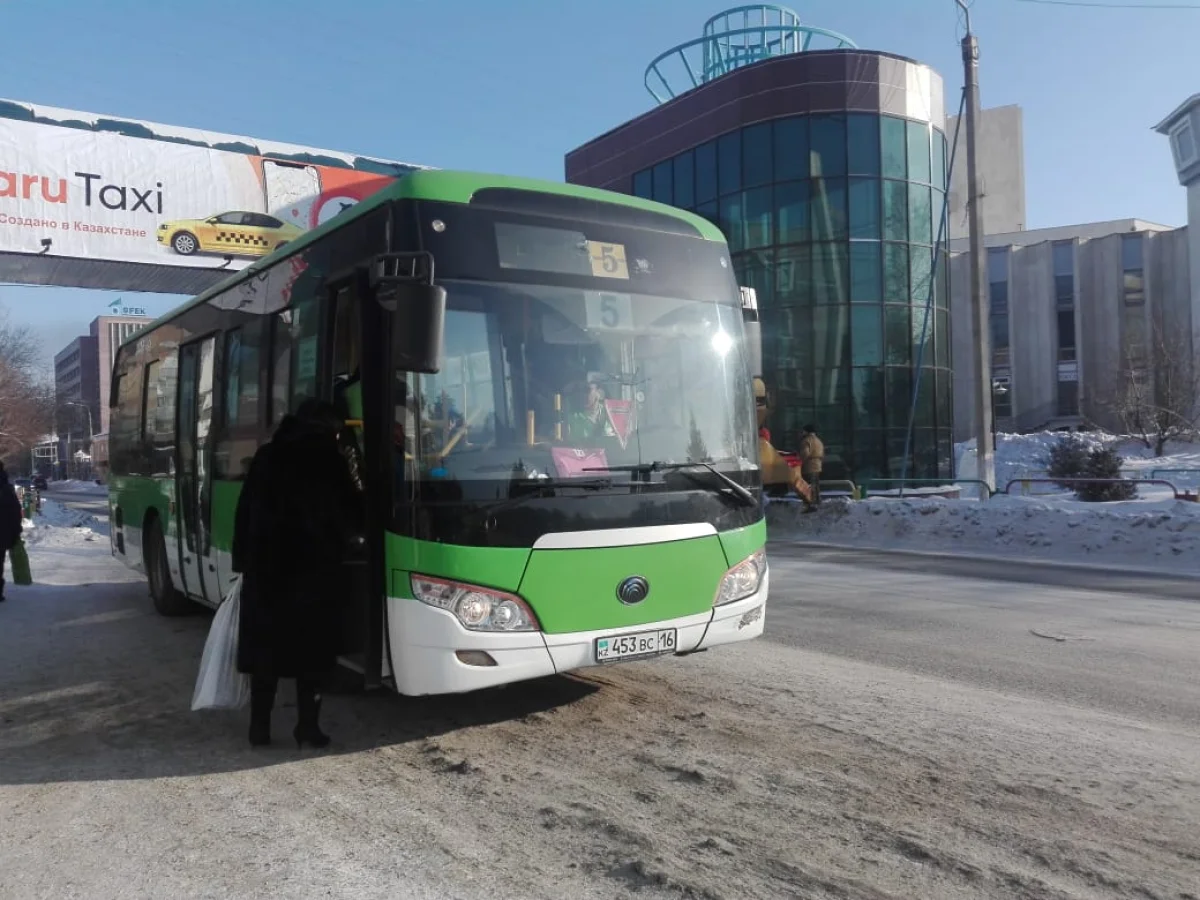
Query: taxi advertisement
(81, 186)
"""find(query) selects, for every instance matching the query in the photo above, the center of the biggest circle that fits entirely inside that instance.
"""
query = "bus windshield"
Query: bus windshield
(545, 386)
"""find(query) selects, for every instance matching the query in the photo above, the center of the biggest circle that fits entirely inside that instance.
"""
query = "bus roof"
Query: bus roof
(436, 184)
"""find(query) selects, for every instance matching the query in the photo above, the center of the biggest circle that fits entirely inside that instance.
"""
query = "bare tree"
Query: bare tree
(26, 398)
(19, 348)
(1158, 391)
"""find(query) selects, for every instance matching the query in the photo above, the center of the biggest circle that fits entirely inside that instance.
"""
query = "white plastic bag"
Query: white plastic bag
(219, 684)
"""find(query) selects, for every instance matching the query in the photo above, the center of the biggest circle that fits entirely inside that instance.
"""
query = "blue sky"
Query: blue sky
(511, 86)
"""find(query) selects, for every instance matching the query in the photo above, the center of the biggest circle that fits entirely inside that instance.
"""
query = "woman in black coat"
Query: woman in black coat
(11, 520)
(296, 518)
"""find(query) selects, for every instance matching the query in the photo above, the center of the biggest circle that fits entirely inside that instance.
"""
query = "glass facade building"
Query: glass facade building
(832, 215)
(832, 218)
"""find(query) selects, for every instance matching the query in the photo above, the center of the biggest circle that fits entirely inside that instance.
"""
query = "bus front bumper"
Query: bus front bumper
(427, 645)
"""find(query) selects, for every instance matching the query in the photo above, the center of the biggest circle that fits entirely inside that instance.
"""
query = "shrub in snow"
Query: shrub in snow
(1071, 458)
(1067, 459)
(1104, 462)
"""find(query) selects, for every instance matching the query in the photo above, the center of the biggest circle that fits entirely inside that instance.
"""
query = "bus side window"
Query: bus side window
(345, 334)
(305, 332)
(281, 365)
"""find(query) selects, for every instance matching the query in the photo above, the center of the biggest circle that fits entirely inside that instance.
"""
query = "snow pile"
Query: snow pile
(58, 524)
(1150, 533)
(1038, 521)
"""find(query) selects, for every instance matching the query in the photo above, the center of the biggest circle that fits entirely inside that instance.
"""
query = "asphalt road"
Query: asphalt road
(1124, 644)
(97, 505)
(907, 728)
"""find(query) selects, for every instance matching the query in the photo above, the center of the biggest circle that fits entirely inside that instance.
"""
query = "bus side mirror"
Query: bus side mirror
(418, 316)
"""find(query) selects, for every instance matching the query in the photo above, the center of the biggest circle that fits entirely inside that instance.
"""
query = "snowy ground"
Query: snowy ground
(1024, 456)
(1036, 521)
(898, 733)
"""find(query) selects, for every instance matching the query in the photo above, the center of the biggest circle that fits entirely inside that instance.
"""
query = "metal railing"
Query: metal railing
(1154, 473)
(1063, 482)
(950, 484)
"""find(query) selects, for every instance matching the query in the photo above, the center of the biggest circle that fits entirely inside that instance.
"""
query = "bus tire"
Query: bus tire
(167, 600)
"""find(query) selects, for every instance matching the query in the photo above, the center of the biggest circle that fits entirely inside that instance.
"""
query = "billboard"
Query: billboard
(94, 201)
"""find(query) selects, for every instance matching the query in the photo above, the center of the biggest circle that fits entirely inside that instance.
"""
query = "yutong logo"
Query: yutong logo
(633, 590)
(96, 192)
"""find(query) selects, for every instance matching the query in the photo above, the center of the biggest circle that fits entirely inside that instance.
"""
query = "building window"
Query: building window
(1002, 398)
(685, 181)
(862, 144)
(829, 209)
(729, 162)
(997, 271)
(1183, 141)
(918, 152)
(1068, 398)
(663, 178)
(1064, 274)
(920, 212)
(828, 144)
(757, 217)
(895, 211)
(706, 173)
(866, 284)
(1134, 335)
(893, 140)
(1066, 335)
(1131, 266)
(791, 209)
(791, 154)
(756, 155)
(865, 223)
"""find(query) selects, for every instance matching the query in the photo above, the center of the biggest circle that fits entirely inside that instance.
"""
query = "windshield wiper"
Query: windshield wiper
(660, 466)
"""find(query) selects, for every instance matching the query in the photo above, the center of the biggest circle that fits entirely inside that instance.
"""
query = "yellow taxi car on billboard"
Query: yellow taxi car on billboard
(238, 233)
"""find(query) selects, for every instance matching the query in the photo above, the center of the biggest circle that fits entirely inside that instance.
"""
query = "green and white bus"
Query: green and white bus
(551, 388)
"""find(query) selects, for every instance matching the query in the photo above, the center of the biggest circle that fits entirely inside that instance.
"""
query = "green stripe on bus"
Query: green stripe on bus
(741, 542)
(495, 567)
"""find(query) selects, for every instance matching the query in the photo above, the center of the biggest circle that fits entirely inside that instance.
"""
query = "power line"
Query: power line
(1094, 4)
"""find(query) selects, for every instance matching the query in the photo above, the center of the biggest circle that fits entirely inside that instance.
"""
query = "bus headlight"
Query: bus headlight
(743, 579)
(477, 608)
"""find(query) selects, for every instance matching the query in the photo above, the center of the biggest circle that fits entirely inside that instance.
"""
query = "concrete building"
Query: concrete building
(1071, 311)
(1182, 128)
(1081, 315)
(110, 332)
(76, 390)
(82, 379)
(1001, 157)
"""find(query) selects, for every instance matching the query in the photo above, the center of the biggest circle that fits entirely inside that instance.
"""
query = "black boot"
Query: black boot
(262, 700)
(308, 707)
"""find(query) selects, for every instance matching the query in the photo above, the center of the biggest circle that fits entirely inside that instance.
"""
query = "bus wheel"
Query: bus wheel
(167, 600)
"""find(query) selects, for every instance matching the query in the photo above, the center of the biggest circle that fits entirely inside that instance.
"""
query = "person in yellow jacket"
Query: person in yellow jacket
(812, 460)
(775, 468)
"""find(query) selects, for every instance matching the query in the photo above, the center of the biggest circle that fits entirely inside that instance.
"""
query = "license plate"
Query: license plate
(635, 646)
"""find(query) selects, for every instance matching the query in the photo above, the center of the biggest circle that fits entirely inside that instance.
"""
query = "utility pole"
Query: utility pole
(985, 450)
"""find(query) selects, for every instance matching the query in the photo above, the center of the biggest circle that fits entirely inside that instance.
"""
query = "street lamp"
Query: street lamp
(998, 390)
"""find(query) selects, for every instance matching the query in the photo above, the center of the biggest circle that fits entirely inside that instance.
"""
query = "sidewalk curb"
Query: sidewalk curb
(1093, 568)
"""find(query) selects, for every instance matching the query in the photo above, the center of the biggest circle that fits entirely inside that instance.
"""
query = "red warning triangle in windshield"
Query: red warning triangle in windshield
(620, 416)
